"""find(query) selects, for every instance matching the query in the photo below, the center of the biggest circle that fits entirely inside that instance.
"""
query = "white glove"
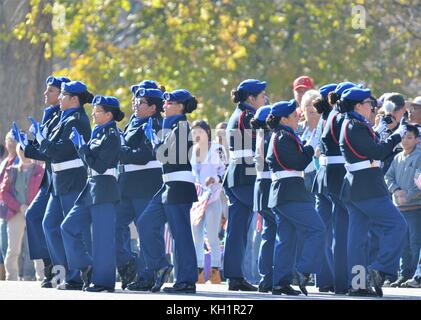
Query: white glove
(401, 130)
(381, 127)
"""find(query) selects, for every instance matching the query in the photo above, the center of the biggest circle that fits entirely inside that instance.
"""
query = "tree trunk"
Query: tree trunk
(23, 68)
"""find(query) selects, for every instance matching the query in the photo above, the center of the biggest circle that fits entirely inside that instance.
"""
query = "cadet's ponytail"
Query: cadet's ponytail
(321, 105)
(84, 98)
(190, 105)
(273, 121)
(346, 105)
(239, 95)
(118, 115)
(258, 124)
(333, 97)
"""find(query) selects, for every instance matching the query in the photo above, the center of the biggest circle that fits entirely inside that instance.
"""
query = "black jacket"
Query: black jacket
(172, 152)
(262, 186)
(100, 154)
(32, 149)
(240, 172)
(137, 149)
(329, 178)
(358, 143)
(286, 153)
(59, 148)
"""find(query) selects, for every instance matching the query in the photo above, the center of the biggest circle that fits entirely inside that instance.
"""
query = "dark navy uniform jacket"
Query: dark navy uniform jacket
(262, 186)
(137, 149)
(175, 147)
(286, 153)
(240, 135)
(50, 120)
(329, 178)
(358, 143)
(101, 153)
(59, 148)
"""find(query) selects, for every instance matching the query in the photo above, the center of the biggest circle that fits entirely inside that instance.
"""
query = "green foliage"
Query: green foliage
(209, 46)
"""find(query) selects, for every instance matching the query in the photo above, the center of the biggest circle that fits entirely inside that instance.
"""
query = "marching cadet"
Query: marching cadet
(138, 165)
(261, 196)
(95, 206)
(68, 173)
(291, 202)
(35, 213)
(366, 195)
(174, 200)
(240, 178)
(327, 186)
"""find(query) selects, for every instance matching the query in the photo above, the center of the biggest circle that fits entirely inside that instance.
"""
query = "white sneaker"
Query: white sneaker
(412, 283)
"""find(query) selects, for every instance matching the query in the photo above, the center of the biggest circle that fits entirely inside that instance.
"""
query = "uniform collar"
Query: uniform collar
(66, 113)
(168, 122)
(49, 111)
(289, 130)
(98, 128)
(245, 106)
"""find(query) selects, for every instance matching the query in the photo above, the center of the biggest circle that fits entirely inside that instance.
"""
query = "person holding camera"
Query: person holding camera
(394, 107)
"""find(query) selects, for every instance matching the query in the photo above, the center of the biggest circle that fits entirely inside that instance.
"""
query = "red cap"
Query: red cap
(303, 82)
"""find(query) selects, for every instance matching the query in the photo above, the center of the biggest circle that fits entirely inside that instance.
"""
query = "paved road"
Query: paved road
(21, 290)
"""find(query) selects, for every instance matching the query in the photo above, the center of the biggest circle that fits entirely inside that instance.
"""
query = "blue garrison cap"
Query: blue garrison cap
(179, 95)
(147, 84)
(106, 101)
(252, 86)
(356, 94)
(149, 93)
(262, 113)
(283, 108)
(74, 87)
(344, 86)
(324, 91)
(56, 81)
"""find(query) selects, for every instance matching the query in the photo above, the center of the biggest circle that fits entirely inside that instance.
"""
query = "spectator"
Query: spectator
(300, 86)
(406, 196)
(394, 108)
(414, 112)
(208, 164)
(18, 188)
(10, 146)
(308, 128)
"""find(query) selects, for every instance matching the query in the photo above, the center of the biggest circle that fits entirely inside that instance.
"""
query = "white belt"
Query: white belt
(286, 174)
(155, 164)
(109, 172)
(263, 175)
(241, 154)
(71, 164)
(185, 176)
(325, 160)
(351, 167)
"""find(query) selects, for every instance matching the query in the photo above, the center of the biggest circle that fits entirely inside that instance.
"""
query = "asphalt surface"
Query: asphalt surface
(31, 290)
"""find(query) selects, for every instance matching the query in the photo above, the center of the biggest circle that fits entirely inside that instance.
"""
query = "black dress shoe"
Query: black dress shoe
(287, 290)
(303, 279)
(48, 276)
(181, 288)
(70, 286)
(361, 293)
(376, 280)
(86, 275)
(327, 289)
(96, 288)
(127, 273)
(140, 285)
(264, 287)
(240, 285)
(161, 277)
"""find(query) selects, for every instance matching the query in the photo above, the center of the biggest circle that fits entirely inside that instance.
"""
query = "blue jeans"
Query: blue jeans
(3, 240)
(412, 245)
